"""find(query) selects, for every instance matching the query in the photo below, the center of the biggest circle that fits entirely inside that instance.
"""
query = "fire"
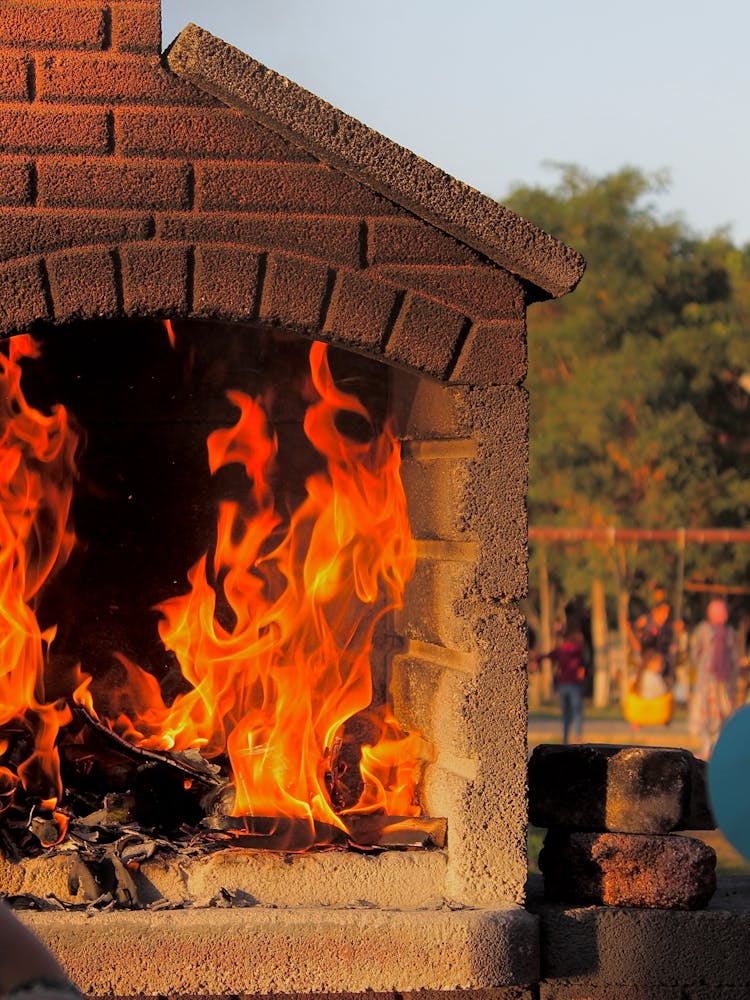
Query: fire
(37, 474)
(275, 688)
(274, 634)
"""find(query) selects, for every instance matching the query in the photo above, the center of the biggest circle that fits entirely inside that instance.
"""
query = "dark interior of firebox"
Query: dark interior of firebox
(144, 510)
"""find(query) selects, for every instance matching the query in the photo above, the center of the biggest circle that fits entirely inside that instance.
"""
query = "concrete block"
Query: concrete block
(362, 310)
(260, 950)
(626, 789)
(493, 354)
(426, 335)
(628, 869)
(83, 284)
(294, 292)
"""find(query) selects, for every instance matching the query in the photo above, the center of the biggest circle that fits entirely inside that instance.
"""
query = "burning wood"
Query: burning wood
(273, 641)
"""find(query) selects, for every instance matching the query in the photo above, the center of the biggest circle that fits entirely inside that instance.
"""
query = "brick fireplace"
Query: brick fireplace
(205, 189)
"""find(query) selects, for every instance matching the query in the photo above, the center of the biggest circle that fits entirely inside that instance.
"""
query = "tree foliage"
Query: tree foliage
(640, 379)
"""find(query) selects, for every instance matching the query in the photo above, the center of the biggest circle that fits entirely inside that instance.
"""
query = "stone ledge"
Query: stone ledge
(604, 952)
(204, 952)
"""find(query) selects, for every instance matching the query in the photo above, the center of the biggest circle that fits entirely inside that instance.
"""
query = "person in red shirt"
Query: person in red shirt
(569, 658)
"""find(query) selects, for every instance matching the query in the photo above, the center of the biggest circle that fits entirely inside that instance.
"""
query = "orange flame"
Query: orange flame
(276, 675)
(276, 688)
(37, 471)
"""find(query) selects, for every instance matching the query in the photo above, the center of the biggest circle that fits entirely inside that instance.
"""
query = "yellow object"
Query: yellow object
(648, 711)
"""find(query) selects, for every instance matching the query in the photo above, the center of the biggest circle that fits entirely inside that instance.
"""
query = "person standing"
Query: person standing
(715, 657)
(569, 658)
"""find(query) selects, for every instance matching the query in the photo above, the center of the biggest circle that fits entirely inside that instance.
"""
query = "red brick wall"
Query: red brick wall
(125, 191)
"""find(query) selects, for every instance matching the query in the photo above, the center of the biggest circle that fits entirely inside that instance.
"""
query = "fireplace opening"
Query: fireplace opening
(206, 537)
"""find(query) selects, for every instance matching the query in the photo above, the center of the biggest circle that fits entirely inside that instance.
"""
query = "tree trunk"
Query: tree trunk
(600, 642)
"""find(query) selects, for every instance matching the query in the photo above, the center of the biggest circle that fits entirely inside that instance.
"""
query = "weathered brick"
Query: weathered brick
(75, 182)
(83, 284)
(426, 335)
(331, 239)
(53, 130)
(136, 27)
(103, 78)
(430, 600)
(434, 701)
(155, 278)
(628, 869)
(410, 241)
(294, 292)
(226, 282)
(14, 77)
(277, 187)
(219, 133)
(361, 310)
(23, 298)
(481, 292)
(45, 230)
(492, 354)
(611, 788)
(15, 181)
(33, 24)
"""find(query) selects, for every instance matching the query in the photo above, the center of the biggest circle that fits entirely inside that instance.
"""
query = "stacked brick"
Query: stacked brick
(129, 189)
(612, 814)
(126, 191)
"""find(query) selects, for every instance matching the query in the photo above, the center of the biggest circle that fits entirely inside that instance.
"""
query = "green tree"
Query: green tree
(639, 380)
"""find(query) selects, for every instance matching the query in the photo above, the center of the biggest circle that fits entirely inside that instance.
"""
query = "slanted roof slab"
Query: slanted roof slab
(388, 168)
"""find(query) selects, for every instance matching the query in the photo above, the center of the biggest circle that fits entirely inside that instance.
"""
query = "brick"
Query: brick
(480, 292)
(430, 601)
(103, 78)
(27, 23)
(436, 489)
(434, 701)
(294, 292)
(226, 282)
(610, 788)
(23, 298)
(361, 311)
(136, 27)
(83, 284)
(628, 869)
(492, 354)
(67, 182)
(155, 278)
(333, 240)
(426, 335)
(283, 188)
(15, 181)
(410, 241)
(14, 77)
(57, 130)
(46, 230)
(219, 133)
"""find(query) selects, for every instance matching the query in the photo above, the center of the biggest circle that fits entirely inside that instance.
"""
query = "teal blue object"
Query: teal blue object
(728, 786)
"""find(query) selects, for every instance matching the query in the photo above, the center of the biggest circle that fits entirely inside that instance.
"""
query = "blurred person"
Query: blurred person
(569, 659)
(714, 654)
(649, 700)
(656, 631)
(28, 971)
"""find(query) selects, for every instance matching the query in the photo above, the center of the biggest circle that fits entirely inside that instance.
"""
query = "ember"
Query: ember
(272, 737)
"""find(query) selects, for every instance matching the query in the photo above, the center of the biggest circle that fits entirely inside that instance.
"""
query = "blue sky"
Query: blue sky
(492, 90)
